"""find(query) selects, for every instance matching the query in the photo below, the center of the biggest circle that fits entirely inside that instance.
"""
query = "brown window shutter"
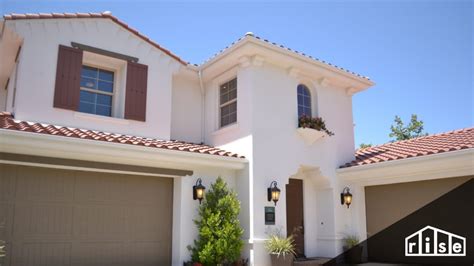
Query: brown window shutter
(135, 96)
(68, 78)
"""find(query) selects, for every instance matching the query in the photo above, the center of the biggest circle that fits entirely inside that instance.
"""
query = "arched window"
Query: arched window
(304, 101)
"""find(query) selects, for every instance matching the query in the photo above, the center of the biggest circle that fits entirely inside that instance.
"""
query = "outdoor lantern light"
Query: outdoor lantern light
(346, 197)
(273, 193)
(198, 190)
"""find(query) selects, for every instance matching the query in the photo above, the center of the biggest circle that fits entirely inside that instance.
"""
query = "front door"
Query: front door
(294, 214)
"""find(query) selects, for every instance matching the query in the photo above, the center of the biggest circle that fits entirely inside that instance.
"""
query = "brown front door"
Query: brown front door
(294, 214)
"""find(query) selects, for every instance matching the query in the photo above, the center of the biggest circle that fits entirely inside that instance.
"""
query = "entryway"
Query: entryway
(295, 214)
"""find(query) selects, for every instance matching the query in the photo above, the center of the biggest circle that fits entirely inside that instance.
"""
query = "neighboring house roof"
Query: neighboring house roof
(7, 122)
(250, 35)
(109, 15)
(106, 15)
(438, 143)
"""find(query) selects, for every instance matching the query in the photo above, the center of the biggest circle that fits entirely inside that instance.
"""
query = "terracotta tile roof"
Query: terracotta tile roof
(109, 15)
(439, 143)
(7, 122)
(280, 46)
(106, 14)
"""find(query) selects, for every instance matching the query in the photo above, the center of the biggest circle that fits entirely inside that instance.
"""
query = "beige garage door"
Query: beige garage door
(62, 217)
(387, 204)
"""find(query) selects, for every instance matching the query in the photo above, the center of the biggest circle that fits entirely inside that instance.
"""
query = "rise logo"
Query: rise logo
(431, 241)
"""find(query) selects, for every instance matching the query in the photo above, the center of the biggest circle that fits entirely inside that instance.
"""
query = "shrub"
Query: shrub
(219, 239)
(314, 123)
(350, 241)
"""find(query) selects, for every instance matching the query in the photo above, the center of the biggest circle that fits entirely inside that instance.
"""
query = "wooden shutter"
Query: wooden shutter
(135, 96)
(68, 78)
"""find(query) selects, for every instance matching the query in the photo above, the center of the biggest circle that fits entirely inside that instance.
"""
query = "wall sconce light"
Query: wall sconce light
(346, 197)
(273, 193)
(198, 190)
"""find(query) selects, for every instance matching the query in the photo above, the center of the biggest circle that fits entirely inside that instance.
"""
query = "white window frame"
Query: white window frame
(228, 102)
(119, 68)
(99, 67)
(311, 98)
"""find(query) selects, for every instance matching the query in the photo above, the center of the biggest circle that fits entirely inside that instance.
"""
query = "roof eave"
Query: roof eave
(440, 165)
(364, 82)
(73, 148)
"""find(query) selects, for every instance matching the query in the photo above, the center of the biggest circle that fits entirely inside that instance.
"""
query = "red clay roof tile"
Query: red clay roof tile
(7, 122)
(438, 143)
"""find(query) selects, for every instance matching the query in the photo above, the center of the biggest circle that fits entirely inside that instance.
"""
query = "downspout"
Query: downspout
(203, 106)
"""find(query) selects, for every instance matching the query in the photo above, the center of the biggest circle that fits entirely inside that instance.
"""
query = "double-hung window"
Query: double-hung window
(228, 102)
(97, 90)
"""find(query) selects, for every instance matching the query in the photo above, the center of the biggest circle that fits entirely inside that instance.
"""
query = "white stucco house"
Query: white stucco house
(103, 134)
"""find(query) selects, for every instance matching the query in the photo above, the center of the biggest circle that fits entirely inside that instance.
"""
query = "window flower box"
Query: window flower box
(310, 135)
(312, 129)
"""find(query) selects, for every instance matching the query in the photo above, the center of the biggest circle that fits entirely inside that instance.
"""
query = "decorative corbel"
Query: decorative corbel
(244, 61)
(293, 72)
(350, 91)
(257, 60)
(324, 82)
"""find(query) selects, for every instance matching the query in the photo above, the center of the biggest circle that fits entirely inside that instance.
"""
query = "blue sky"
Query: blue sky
(419, 53)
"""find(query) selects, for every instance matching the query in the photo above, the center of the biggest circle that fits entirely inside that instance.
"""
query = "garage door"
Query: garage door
(62, 217)
(387, 204)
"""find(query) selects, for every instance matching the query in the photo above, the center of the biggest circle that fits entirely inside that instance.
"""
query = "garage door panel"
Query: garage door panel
(100, 187)
(59, 217)
(142, 253)
(41, 254)
(6, 220)
(45, 185)
(146, 190)
(146, 224)
(99, 253)
(100, 221)
(8, 175)
(36, 220)
(387, 204)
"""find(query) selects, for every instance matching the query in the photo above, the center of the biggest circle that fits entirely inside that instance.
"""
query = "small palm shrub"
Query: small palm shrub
(219, 240)
(280, 246)
(350, 241)
(314, 123)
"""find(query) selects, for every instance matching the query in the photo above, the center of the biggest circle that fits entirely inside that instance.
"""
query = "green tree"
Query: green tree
(219, 239)
(401, 132)
(365, 145)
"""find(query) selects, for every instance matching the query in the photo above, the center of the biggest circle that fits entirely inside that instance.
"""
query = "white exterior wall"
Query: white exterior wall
(37, 74)
(280, 153)
(186, 107)
(266, 134)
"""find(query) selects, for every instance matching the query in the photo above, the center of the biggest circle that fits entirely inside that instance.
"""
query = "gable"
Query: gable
(69, 18)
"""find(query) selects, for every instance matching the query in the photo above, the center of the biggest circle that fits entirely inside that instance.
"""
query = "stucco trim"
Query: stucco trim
(90, 150)
(89, 165)
(443, 165)
(364, 82)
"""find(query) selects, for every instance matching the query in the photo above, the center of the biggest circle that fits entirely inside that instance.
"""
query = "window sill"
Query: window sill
(100, 118)
(226, 129)
(310, 135)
